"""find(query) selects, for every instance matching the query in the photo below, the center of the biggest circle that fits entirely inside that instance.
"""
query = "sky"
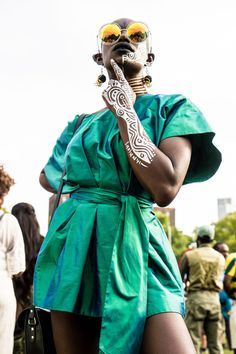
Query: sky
(47, 76)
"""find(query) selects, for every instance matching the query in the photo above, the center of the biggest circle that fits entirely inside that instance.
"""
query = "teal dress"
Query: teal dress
(105, 253)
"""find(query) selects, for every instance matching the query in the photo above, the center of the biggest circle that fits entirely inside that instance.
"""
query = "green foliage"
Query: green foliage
(225, 231)
(164, 220)
(179, 241)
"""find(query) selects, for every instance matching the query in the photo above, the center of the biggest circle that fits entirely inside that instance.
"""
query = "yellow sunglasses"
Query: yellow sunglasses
(110, 33)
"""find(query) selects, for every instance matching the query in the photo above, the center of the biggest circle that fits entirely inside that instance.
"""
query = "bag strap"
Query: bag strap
(59, 192)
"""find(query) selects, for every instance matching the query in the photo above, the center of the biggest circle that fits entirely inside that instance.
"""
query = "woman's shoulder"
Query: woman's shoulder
(72, 123)
(170, 99)
(8, 219)
(9, 226)
(99, 111)
(163, 102)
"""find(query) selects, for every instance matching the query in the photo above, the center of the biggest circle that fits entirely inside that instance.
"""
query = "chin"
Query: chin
(132, 67)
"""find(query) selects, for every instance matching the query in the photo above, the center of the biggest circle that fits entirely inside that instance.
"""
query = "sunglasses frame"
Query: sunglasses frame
(101, 42)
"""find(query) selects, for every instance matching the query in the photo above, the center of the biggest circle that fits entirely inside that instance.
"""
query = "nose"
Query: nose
(123, 36)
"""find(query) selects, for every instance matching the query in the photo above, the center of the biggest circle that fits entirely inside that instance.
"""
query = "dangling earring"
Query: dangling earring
(147, 79)
(101, 79)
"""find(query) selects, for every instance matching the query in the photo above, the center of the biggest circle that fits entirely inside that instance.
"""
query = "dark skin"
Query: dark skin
(165, 333)
(222, 248)
(165, 175)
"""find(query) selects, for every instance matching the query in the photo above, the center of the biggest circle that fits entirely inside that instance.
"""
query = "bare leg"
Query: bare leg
(75, 334)
(204, 342)
(166, 333)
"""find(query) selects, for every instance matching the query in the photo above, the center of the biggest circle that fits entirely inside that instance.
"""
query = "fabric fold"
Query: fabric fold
(127, 282)
(106, 254)
(126, 288)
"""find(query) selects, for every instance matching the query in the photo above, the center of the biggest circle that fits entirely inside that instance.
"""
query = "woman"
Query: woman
(106, 269)
(12, 263)
(23, 285)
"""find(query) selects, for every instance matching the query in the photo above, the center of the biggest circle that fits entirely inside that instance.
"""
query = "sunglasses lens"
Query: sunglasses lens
(137, 32)
(109, 33)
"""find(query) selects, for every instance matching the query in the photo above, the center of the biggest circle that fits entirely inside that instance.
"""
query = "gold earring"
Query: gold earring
(101, 79)
(147, 79)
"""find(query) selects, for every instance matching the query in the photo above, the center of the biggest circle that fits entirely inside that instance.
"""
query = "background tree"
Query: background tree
(179, 241)
(225, 231)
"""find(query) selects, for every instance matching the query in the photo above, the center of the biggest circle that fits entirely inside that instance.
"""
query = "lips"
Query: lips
(123, 46)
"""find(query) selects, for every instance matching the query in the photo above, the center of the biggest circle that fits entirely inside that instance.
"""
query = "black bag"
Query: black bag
(34, 321)
(38, 336)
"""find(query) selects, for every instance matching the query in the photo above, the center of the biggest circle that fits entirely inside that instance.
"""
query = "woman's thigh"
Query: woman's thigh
(75, 334)
(166, 333)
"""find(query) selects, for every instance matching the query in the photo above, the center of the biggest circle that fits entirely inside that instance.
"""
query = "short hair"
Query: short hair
(205, 239)
(218, 244)
(5, 182)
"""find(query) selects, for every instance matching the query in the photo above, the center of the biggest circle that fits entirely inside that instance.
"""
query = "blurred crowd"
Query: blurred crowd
(208, 271)
(20, 241)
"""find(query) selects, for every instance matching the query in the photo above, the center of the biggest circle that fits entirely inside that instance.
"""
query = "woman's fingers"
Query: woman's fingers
(118, 72)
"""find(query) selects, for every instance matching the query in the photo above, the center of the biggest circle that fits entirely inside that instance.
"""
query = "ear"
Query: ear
(98, 58)
(150, 59)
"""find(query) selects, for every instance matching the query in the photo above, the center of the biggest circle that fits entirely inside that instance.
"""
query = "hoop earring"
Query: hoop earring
(101, 79)
(147, 79)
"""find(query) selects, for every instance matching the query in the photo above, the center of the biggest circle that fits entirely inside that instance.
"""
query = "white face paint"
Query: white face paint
(139, 56)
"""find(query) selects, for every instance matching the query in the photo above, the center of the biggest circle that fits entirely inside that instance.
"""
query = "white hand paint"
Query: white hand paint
(119, 97)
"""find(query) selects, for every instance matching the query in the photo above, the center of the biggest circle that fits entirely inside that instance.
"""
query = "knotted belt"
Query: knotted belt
(125, 305)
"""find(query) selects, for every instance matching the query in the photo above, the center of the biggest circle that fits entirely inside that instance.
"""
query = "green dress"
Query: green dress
(106, 254)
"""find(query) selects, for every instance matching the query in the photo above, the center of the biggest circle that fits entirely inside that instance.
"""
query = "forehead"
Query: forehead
(123, 22)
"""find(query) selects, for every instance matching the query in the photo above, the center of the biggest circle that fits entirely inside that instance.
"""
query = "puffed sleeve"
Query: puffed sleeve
(184, 118)
(15, 249)
(55, 165)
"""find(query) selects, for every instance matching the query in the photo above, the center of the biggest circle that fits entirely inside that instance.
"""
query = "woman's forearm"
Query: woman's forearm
(157, 169)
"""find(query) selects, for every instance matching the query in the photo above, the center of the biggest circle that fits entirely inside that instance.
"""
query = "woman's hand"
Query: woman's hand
(119, 96)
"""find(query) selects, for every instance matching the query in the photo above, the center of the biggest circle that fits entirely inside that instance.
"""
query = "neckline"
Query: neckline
(105, 109)
(144, 95)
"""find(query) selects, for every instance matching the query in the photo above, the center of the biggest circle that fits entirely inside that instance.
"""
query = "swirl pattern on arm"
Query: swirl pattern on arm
(139, 146)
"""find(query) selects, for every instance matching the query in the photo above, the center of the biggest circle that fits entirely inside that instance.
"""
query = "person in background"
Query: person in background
(12, 264)
(226, 302)
(204, 267)
(23, 285)
(223, 248)
(230, 288)
(106, 269)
